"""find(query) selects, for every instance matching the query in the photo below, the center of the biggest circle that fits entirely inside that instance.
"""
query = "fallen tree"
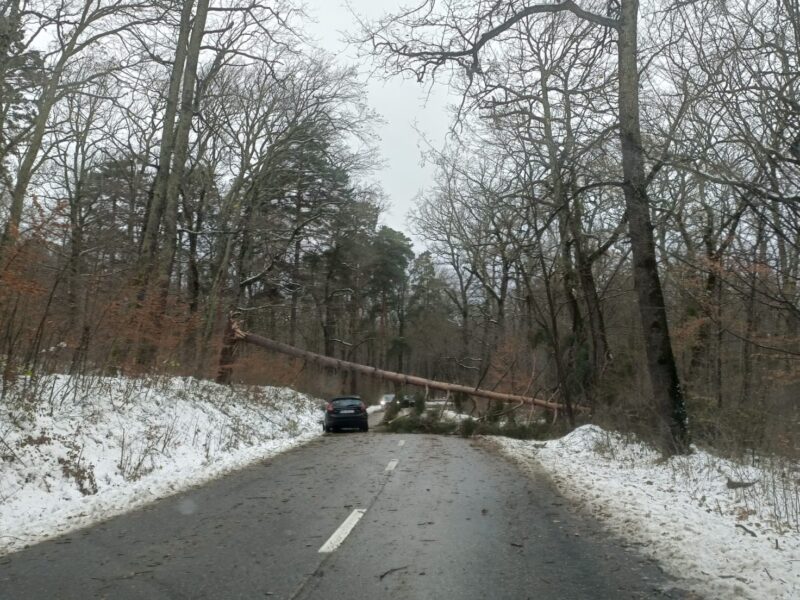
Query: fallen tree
(234, 334)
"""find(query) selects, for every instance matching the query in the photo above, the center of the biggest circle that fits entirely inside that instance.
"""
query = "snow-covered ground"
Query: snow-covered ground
(723, 541)
(75, 451)
(79, 450)
(451, 415)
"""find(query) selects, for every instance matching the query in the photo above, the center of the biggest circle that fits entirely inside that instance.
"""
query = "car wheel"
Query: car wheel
(365, 428)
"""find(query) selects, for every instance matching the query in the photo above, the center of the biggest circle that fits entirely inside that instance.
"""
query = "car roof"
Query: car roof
(351, 397)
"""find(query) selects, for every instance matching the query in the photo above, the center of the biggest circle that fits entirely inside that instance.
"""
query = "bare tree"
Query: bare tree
(424, 39)
(79, 28)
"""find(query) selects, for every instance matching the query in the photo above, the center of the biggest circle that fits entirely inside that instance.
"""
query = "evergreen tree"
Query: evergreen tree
(20, 71)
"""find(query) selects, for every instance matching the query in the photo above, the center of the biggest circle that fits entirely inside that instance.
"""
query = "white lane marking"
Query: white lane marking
(343, 531)
(401, 443)
(390, 467)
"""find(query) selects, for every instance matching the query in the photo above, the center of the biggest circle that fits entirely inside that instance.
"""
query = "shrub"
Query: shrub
(74, 467)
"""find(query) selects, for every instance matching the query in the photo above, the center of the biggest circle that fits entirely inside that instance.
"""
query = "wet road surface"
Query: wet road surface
(432, 518)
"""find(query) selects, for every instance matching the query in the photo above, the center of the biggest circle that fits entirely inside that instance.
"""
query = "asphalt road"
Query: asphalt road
(448, 519)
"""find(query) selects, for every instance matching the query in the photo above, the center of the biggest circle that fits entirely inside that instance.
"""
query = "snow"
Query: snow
(681, 511)
(451, 415)
(74, 451)
(90, 448)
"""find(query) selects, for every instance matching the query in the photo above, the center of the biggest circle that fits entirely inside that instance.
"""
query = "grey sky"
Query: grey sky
(403, 104)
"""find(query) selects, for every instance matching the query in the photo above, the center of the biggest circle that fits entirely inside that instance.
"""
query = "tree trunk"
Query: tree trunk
(555, 340)
(181, 147)
(224, 251)
(295, 299)
(594, 309)
(398, 378)
(155, 207)
(329, 319)
(751, 312)
(666, 388)
(227, 354)
(75, 293)
(562, 206)
(194, 221)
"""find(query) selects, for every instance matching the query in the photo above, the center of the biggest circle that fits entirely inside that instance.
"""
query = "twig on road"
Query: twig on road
(392, 571)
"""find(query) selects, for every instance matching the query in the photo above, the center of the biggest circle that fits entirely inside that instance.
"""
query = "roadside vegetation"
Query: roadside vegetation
(439, 418)
(75, 450)
(431, 422)
(612, 225)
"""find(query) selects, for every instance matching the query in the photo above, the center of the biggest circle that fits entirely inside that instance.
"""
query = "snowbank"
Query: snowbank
(451, 415)
(723, 541)
(81, 450)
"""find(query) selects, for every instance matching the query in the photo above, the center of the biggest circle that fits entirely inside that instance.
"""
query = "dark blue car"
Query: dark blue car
(346, 412)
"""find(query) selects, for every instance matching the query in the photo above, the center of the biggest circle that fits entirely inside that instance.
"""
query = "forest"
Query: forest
(613, 224)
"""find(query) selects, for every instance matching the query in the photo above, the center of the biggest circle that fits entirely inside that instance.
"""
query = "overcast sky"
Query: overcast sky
(403, 104)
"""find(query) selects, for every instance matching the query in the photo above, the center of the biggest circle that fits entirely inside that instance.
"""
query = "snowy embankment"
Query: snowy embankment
(692, 513)
(74, 451)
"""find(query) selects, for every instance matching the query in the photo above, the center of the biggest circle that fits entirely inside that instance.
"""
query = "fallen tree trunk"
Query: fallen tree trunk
(401, 378)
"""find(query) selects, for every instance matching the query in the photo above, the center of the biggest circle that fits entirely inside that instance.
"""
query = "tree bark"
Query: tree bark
(555, 341)
(751, 312)
(155, 208)
(594, 309)
(181, 146)
(666, 387)
(227, 354)
(295, 299)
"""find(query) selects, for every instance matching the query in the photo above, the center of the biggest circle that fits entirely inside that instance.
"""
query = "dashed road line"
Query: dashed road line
(390, 467)
(401, 443)
(342, 532)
